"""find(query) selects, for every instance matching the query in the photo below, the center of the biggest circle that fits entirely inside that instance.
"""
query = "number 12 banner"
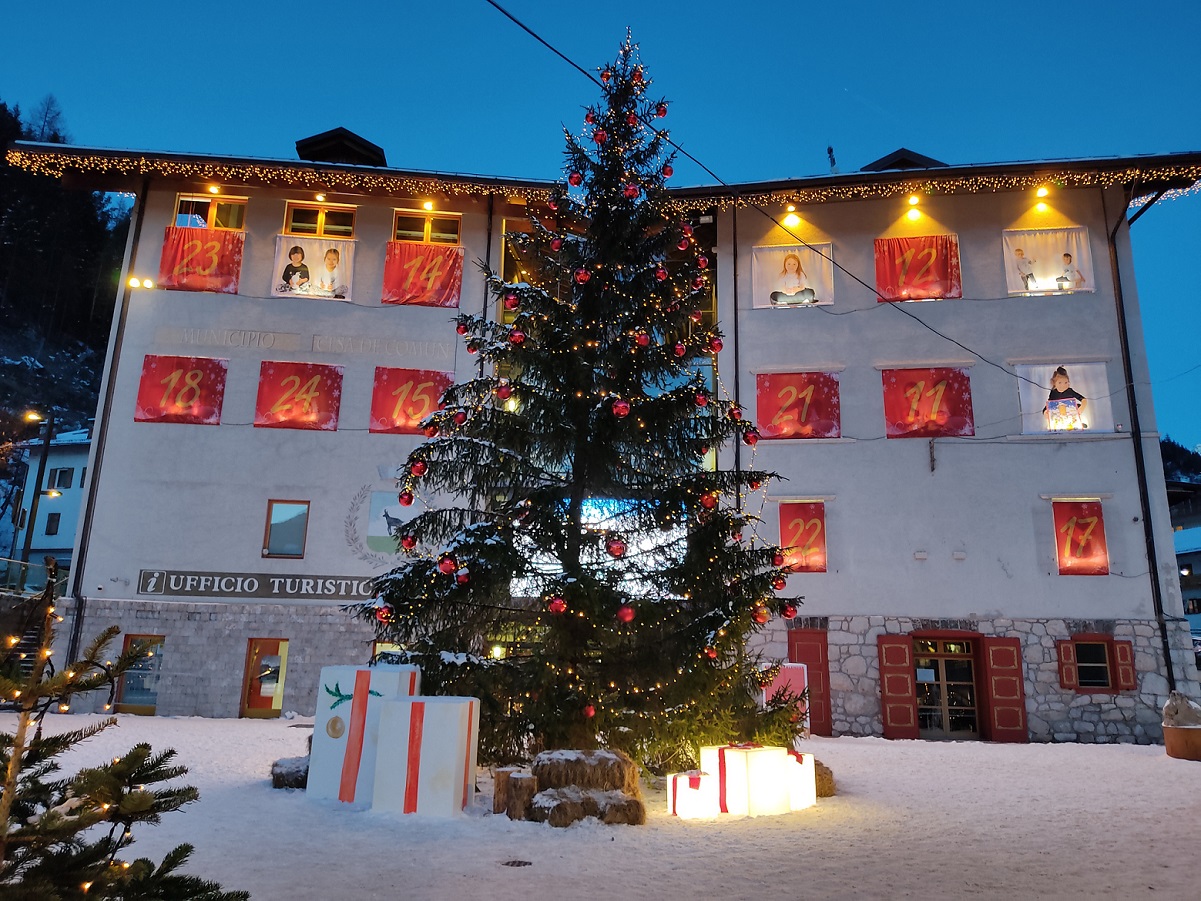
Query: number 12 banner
(201, 259)
(401, 398)
(919, 268)
(426, 274)
(927, 403)
(1080, 538)
(803, 536)
(181, 389)
(298, 396)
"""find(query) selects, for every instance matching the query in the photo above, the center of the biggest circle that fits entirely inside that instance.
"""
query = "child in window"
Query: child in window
(1065, 406)
(1025, 269)
(296, 273)
(330, 278)
(791, 286)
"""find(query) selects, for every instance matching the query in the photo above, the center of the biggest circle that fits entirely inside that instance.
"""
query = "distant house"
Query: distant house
(59, 504)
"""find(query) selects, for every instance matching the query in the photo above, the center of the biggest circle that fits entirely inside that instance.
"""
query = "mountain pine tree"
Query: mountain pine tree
(580, 564)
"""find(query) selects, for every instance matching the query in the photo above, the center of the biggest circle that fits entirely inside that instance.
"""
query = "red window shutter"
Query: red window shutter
(810, 647)
(1005, 687)
(1068, 677)
(898, 686)
(1123, 655)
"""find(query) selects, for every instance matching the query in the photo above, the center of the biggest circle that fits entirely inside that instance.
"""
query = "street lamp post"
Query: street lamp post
(31, 521)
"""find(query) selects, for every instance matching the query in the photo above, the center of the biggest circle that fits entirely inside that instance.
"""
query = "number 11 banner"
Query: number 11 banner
(426, 274)
(201, 259)
(919, 268)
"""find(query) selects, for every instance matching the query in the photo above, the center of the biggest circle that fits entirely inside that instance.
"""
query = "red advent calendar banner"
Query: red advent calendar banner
(918, 268)
(181, 389)
(426, 274)
(298, 396)
(803, 536)
(1080, 538)
(201, 259)
(798, 405)
(401, 398)
(927, 403)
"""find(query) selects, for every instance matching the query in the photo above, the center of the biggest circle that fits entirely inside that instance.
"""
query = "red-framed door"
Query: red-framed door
(263, 685)
(810, 647)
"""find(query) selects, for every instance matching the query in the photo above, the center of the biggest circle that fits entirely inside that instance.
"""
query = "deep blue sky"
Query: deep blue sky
(452, 85)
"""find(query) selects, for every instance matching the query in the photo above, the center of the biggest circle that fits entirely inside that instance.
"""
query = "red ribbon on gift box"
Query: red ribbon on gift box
(694, 782)
(721, 770)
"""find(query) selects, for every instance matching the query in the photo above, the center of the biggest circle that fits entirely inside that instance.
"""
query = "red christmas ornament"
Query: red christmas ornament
(385, 613)
(702, 261)
(704, 449)
(679, 349)
(709, 500)
(735, 413)
(632, 120)
(661, 274)
(716, 344)
(461, 328)
(696, 316)
(517, 336)
(642, 339)
(683, 243)
(552, 204)
(621, 408)
(447, 564)
(777, 559)
(636, 75)
(736, 536)
(751, 438)
(615, 547)
(405, 498)
(504, 392)
(625, 613)
(582, 276)
(472, 347)
(460, 417)
(462, 579)
(711, 653)
(702, 399)
(788, 610)
(408, 542)
(575, 179)
(418, 468)
(556, 244)
(698, 282)
(668, 171)
(606, 75)
(430, 431)
(512, 301)
(556, 605)
(590, 117)
(661, 110)
(779, 583)
(589, 711)
(600, 136)
(686, 229)
(631, 191)
(761, 615)
(754, 484)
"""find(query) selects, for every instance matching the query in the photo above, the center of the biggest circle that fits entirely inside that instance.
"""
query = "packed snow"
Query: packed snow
(911, 820)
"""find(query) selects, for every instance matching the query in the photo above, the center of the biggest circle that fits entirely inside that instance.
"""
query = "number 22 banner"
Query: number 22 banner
(803, 536)
(424, 274)
(919, 268)
(201, 259)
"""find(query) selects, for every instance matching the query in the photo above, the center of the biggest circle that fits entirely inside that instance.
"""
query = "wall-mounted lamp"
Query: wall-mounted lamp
(1042, 191)
(320, 197)
(427, 205)
(135, 282)
(914, 200)
(213, 189)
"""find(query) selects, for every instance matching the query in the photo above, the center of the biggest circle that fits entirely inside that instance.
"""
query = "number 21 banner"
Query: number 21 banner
(201, 259)
(298, 396)
(425, 274)
(919, 268)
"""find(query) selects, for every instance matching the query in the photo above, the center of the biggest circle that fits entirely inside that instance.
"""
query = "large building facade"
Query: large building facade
(946, 364)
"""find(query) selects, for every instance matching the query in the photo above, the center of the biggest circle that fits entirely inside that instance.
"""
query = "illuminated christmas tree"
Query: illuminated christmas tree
(580, 565)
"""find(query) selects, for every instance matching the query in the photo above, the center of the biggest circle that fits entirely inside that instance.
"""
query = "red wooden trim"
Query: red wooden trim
(1123, 656)
(1068, 674)
(1004, 690)
(898, 686)
(467, 753)
(810, 647)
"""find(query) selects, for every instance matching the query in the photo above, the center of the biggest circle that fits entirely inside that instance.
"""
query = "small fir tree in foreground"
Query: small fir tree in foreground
(578, 566)
(65, 838)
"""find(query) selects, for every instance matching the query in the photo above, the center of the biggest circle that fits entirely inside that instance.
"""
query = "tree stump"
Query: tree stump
(522, 788)
(500, 787)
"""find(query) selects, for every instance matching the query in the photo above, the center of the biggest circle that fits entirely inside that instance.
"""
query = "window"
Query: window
(1063, 397)
(1096, 663)
(927, 403)
(207, 211)
(61, 478)
(430, 228)
(138, 689)
(52, 523)
(319, 220)
(287, 524)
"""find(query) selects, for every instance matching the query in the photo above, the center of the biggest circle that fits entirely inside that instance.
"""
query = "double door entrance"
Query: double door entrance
(945, 679)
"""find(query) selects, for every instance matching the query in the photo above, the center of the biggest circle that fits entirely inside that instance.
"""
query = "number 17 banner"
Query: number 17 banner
(427, 274)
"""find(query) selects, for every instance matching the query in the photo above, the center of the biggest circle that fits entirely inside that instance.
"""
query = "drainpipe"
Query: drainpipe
(1140, 463)
(737, 343)
(488, 268)
(101, 435)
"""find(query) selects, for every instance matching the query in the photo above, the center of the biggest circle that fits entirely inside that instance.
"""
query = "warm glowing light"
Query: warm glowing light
(914, 200)
(1042, 191)
(914, 215)
(213, 189)
(428, 205)
(33, 416)
(135, 282)
(147, 283)
(792, 219)
(320, 197)
(1041, 207)
(53, 492)
(791, 207)
(498, 651)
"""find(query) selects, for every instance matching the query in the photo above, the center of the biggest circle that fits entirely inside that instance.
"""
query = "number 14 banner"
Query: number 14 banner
(920, 268)
(425, 274)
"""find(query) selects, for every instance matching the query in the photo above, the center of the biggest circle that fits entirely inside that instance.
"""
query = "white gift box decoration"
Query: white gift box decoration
(428, 751)
(802, 781)
(751, 779)
(692, 795)
(346, 727)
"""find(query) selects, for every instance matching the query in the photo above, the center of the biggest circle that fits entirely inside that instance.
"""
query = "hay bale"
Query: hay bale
(563, 806)
(558, 806)
(623, 809)
(522, 789)
(603, 770)
(290, 772)
(825, 779)
(500, 787)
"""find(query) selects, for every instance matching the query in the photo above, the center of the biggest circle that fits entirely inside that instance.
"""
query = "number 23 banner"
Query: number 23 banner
(424, 274)
(298, 396)
(919, 268)
(201, 259)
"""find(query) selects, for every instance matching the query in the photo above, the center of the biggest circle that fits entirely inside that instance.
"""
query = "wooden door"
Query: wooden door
(810, 647)
(263, 685)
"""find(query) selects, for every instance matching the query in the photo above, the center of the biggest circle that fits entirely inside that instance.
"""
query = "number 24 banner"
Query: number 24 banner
(919, 268)
(298, 396)
(181, 389)
(201, 259)
(425, 274)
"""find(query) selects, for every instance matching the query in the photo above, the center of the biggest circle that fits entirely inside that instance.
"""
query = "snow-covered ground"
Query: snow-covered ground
(911, 820)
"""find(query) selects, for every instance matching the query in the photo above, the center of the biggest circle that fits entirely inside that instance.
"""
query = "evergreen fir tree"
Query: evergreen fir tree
(64, 838)
(570, 517)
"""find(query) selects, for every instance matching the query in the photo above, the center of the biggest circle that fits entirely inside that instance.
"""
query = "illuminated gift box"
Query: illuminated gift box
(802, 780)
(426, 764)
(346, 726)
(751, 780)
(692, 795)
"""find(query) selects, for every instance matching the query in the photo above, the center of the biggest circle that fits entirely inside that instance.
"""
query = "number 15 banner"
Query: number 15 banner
(425, 274)
(201, 259)
(920, 268)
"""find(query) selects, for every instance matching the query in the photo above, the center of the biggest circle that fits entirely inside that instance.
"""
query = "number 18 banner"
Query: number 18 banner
(425, 274)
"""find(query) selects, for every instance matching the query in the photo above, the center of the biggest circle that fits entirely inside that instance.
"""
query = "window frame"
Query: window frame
(211, 217)
(56, 477)
(427, 232)
(322, 209)
(155, 645)
(271, 503)
(1119, 663)
(53, 521)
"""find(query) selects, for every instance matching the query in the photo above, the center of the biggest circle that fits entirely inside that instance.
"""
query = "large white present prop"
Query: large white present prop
(692, 795)
(802, 781)
(428, 763)
(346, 727)
(751, 780)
